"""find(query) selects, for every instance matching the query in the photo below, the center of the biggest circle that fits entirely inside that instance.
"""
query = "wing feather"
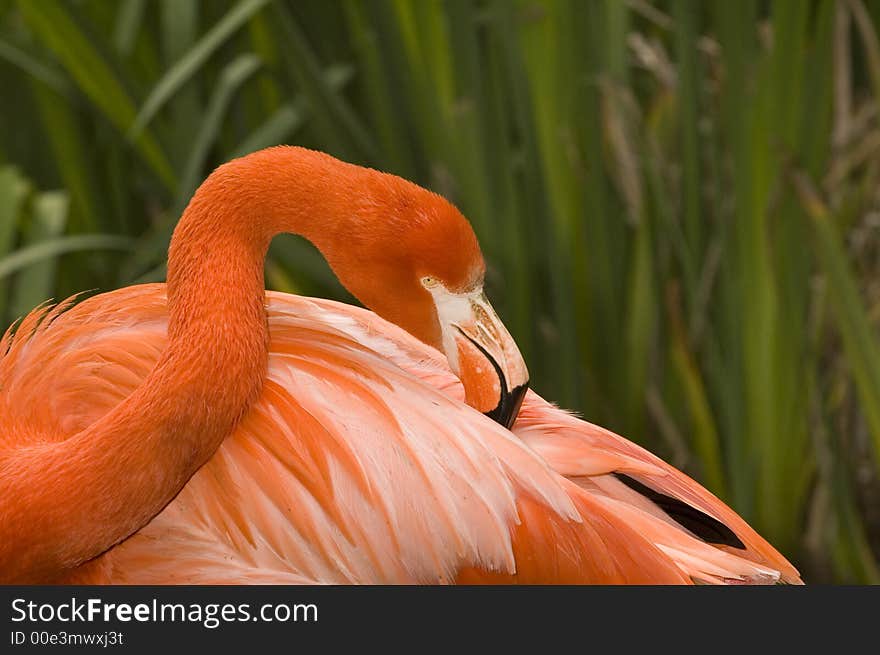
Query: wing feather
(360, 464)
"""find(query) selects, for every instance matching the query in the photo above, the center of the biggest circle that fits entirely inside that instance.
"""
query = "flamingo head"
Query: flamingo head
(414, 259)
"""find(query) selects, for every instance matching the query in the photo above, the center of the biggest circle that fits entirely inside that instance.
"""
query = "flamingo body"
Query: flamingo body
(358, 462)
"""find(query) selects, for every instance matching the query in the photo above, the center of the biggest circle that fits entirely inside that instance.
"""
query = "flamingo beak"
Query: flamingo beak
(484, 386)
(482, 353)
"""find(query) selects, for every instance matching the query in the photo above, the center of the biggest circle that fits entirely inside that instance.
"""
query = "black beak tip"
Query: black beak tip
(508, 406)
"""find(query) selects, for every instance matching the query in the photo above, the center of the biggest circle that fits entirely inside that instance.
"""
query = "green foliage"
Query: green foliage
(677, 199)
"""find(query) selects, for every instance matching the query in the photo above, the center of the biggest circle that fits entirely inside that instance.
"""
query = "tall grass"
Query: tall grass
(678, 199)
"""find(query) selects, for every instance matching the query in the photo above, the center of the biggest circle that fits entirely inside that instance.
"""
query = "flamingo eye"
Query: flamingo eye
(430, 282)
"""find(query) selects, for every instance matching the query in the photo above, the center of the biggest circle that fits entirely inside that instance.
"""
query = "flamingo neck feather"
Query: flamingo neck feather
(74, 499)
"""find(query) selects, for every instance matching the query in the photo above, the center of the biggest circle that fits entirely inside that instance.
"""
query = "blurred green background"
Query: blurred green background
(678, 200)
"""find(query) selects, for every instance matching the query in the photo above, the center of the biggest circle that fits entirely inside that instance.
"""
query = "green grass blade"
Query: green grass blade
(38, 252)
(705, 437)
(376, 77)
(72, 157)
(179, 29)
(287, 119)
(34, 67)
(188, 65)
(276, 130)
(687, 17)
(35, 282)
(332, 112)
(233, 77)
(129, 20)
(54, 24)
(14, 189)
(860, 340)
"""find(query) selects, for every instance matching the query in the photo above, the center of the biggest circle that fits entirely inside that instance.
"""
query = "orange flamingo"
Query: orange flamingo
(206, 431)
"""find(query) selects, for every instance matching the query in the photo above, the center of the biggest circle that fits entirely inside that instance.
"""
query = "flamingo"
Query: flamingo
(208, 431)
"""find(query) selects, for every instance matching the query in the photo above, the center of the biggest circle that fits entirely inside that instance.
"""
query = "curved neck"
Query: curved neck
(74, 499)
